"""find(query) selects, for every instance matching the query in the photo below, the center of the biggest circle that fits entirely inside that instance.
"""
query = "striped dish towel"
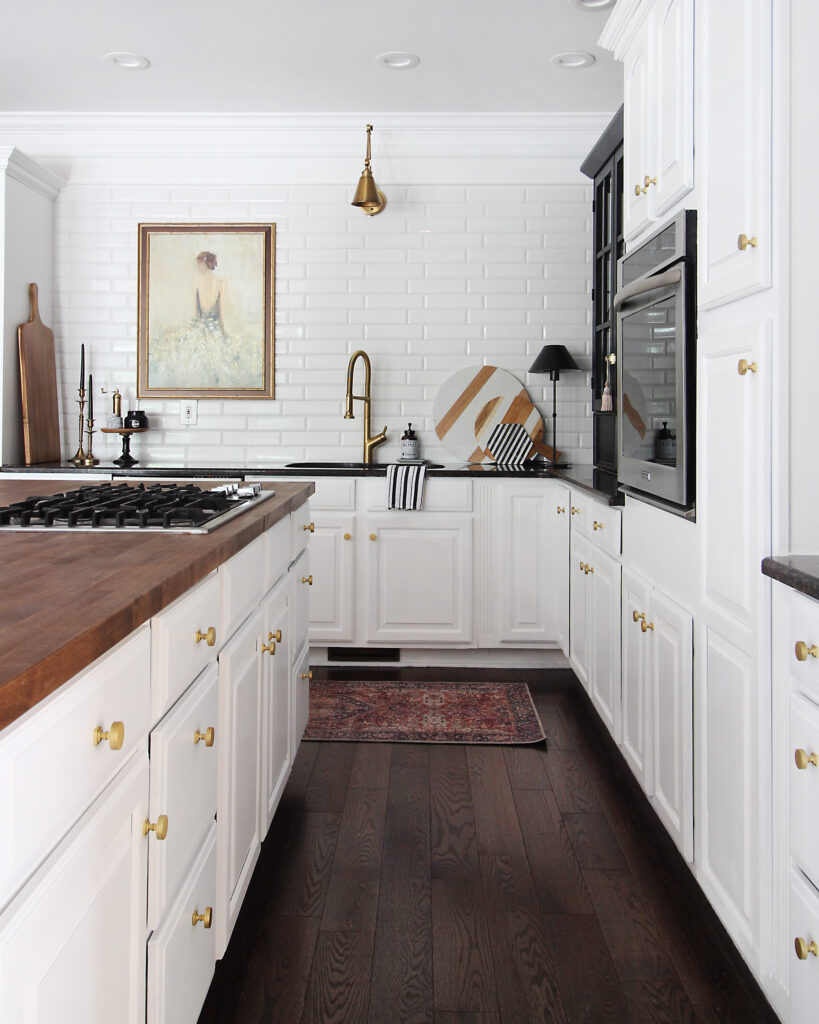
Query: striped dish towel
(405, 486)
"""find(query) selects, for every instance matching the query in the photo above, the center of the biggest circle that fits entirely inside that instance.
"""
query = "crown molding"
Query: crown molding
(623, 23)
(23, 169)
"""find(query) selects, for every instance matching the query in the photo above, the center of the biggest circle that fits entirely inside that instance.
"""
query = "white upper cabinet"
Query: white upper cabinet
(657, 50)
(734, 76)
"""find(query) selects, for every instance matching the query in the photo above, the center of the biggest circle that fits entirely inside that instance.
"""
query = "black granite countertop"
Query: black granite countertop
(583, 477)
(799, 572)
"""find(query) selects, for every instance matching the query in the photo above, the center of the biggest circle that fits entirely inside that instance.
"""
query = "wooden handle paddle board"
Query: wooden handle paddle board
(38, 381)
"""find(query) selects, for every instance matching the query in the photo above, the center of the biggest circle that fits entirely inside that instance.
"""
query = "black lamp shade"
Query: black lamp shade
(553, 359)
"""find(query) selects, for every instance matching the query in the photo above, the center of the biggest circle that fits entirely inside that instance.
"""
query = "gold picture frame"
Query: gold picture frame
(205, 311)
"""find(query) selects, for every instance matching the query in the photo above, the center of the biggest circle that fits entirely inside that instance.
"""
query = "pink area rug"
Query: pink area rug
(411, 712)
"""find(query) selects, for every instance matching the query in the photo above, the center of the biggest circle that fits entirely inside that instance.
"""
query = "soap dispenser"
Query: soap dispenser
(409, 444)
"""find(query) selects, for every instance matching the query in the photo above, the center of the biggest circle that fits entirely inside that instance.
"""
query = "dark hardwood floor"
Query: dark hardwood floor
(476, 885)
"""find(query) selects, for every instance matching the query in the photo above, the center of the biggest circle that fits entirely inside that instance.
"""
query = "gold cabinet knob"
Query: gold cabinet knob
(269, 648)
(638, 616)
(158, 827)
(308, 580)
(646, 626)
(115, 735)
(575, 511)
(206, 918)
(348, 536)
(803, 652)
(649, 181)
(588, 569)
(310, 526)
(803, 759)
(277, 636)
(208, 736)
(640, 190)
(743, 242)
(209, 636)
(598, 526)
(372, 536)
(611, 358)
(583, 567)
(307, 675)
(743, 367)
(803, 948)
(560, 510)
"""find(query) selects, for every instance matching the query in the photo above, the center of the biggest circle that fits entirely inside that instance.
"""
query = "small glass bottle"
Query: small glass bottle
(409, 444)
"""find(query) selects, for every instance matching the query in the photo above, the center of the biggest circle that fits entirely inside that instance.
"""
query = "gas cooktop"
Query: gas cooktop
(178, 508)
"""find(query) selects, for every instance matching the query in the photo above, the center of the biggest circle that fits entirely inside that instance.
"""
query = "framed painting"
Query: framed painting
(206, 310)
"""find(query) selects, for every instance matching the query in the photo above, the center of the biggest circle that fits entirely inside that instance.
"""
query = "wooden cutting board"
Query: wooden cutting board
(38, 380)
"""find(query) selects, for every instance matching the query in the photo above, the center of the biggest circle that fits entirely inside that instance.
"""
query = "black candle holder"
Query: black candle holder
(126, 459)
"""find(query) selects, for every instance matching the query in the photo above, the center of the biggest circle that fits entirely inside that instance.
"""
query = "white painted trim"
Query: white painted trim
(626, 19)
(22, 168)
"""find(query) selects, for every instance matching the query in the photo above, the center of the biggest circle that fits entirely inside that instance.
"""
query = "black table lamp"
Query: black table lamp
(552, 359)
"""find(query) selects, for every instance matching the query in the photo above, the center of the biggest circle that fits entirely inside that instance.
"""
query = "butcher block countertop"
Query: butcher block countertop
(67, 598)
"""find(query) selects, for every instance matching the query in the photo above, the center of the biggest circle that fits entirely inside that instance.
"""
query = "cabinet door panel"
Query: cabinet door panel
(332, 597)
(672, 790)
(673, 97)
(557, 561)
(636, 131)
(578, 600)
(523, 573)
(72, 943)
(804, 974)
(420, 579)
(276, 753)
(301, 697)
(636, 713)
(803, 733)
(604, 638)
(735, 68)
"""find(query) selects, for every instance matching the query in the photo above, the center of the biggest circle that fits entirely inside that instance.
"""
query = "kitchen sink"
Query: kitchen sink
(349, 465)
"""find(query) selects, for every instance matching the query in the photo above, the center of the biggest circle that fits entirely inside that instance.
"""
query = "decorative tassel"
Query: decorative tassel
(605, 402)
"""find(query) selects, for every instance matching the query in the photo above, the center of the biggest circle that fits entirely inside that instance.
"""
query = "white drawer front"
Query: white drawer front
(243, 578)
(803, 622)
(181, 954)
(183, 786)
(276, 552)
(606, 527)
(333, 494)
(581, 513)
(440, 494)
(804, 785)
(299, 530)
(179, 645)
(50, 767)
(804, 974)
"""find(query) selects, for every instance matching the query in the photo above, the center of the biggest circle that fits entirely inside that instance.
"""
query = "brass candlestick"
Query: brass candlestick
(79, 456)
(90, 459)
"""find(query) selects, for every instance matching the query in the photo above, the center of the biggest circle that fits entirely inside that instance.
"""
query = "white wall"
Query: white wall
(458, 270)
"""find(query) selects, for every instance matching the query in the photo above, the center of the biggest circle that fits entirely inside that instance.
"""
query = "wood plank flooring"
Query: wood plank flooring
(476, 885)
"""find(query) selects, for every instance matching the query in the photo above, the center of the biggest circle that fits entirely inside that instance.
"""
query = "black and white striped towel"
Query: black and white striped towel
(405, 486)
(509, 443)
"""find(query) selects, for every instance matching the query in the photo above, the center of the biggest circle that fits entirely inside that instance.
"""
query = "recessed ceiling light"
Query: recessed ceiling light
(593, 5)
(397, 60)
(572, 59)
(128, 61)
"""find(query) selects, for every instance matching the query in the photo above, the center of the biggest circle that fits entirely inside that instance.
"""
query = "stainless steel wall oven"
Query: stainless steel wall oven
(656, 358)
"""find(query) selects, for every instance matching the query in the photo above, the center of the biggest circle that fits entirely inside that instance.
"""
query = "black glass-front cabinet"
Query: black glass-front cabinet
(605, 166)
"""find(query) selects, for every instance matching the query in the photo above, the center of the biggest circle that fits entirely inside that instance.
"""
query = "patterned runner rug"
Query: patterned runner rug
(412, 712)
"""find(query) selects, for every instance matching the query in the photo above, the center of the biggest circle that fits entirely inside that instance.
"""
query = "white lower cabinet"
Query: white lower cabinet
(658, 736)
(276, 697)
(579, 609)
(419, 575)
(332, 599)
(182, 951)
(72, 942)
(557, 561)
(239, 739)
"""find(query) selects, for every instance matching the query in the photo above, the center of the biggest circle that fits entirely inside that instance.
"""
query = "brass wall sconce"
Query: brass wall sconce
(367, 197)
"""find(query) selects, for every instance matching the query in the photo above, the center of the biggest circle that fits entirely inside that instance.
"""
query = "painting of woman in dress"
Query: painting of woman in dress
(206, 316)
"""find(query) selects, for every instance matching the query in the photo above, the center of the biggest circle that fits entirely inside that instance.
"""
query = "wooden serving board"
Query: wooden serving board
(38, 381)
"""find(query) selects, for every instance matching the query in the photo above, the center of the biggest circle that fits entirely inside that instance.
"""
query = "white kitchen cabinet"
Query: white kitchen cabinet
(239, 739)
(579, 610)
(556, 541)
(243, 583)
(332, 560)
(419, 574)
(300, 699)
(604, 638)
(735, 75)
(276, 695)
(657, 49)
(72, 943)
(804, 959)
(636, 678)
(182, 952)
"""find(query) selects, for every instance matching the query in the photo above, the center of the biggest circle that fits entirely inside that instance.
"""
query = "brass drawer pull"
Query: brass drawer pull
(803, 759)
(310, 526)
(308, 580)
(159, 827)
(646, 626)
(744, 367)
(803, 948)
(743, 242)
(209, 636)
(560, 510)
(588, 569)
(598, 526)
(640, 190)
(348, 536)
(277, 636)
(269, 648)
(583, 567)
(206, 918)
(208, 736)
(307, 675)
(575, 511)
(638, 616)
(803, 652)
(115, 735)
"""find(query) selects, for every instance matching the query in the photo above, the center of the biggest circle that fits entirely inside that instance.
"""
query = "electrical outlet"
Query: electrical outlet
(187, 412)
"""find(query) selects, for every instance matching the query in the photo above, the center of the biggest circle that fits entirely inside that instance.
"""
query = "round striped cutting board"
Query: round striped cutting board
(473, 402)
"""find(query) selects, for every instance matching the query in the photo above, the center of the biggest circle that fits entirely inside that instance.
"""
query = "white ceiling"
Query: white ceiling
(308, 56)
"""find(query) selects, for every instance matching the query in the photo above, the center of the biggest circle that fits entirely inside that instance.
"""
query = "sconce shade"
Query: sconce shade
(367, 197)
(552, 359)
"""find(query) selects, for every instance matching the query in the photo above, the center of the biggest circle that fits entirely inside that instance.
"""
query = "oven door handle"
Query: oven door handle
(647, 284)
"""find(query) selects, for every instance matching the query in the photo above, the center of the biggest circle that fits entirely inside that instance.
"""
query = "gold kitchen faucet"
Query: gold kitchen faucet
(370, 442)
